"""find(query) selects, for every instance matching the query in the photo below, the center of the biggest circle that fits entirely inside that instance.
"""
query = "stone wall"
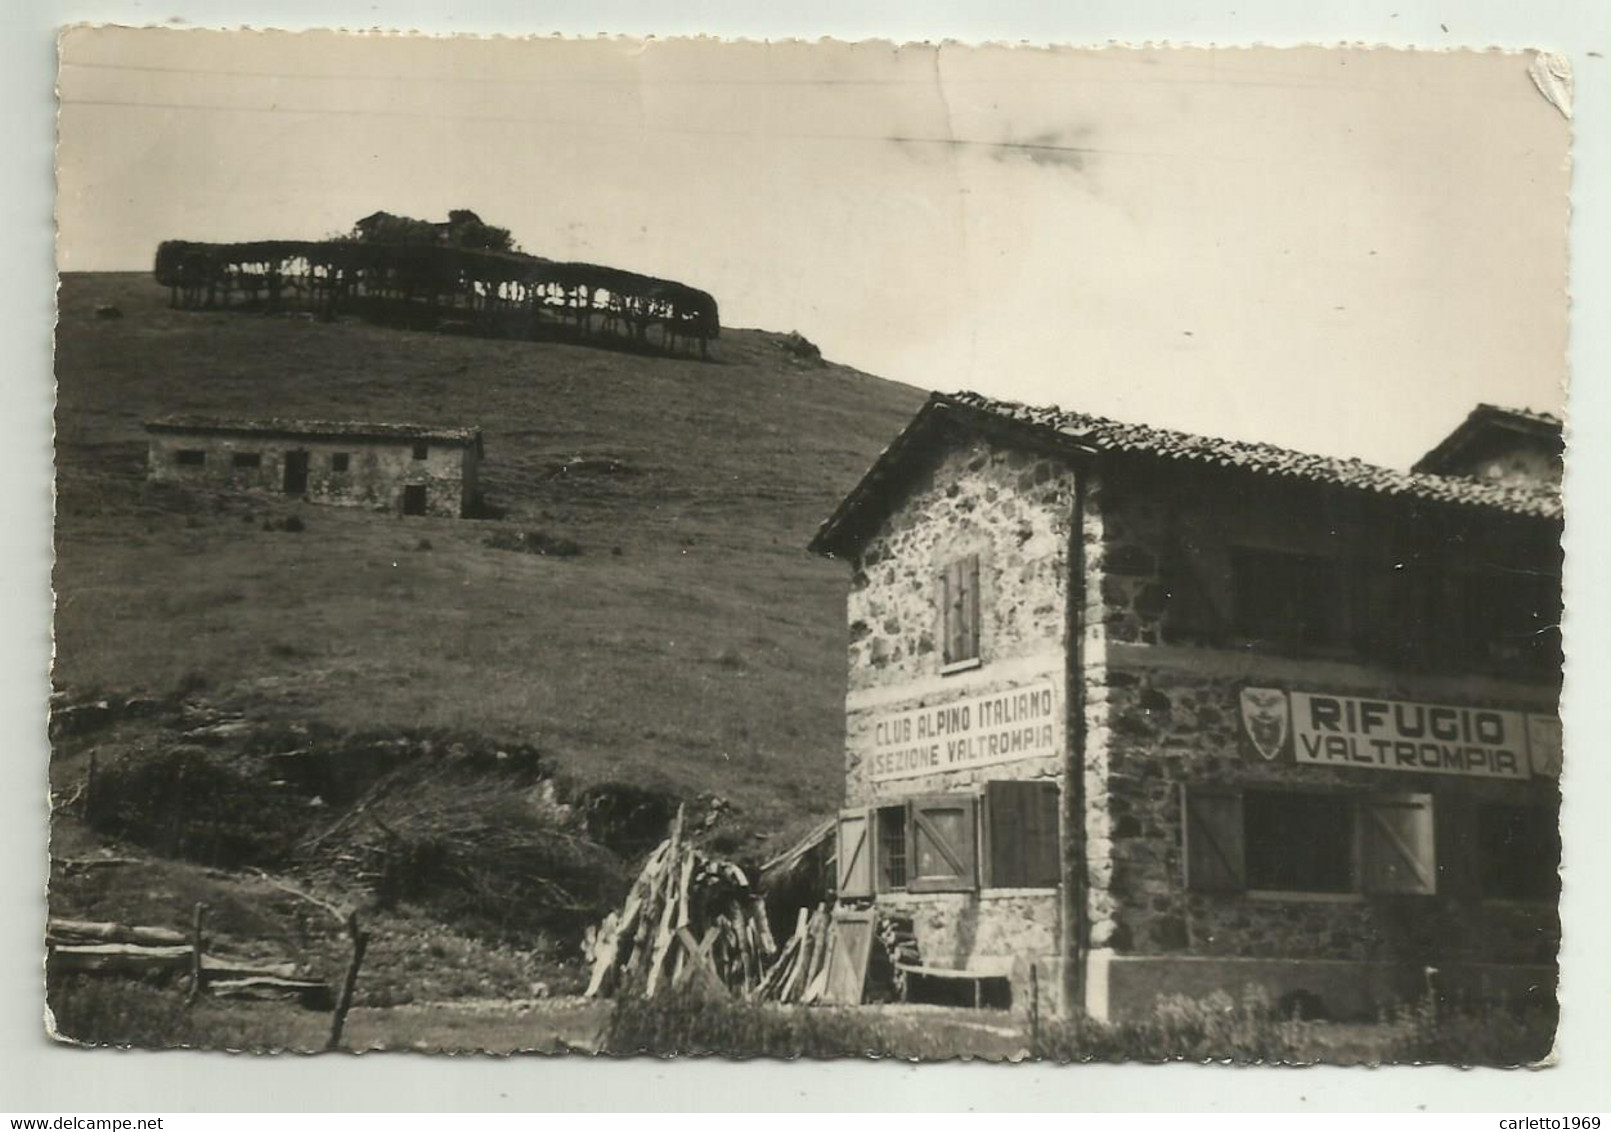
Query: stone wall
(375, 477)
(1014, 510)
(1165, 714)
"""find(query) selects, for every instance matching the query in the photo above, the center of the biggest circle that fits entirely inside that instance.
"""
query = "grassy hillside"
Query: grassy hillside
(692, 646)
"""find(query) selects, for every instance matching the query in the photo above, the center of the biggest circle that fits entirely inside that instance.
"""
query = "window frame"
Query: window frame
(340, 463)
(1350, 823)
(881, 863)
(190, 457)
(245, 460)
(422, 450)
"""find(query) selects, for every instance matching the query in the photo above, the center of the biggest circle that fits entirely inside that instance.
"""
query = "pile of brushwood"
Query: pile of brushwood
(801, 972)
(693, 921)
(689, 918)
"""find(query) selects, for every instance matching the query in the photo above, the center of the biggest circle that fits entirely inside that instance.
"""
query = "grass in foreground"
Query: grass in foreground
(1216, 1028)
(106, 1011)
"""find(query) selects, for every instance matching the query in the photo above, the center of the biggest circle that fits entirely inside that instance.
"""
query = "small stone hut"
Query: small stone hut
(1132, 712)
(406, 468)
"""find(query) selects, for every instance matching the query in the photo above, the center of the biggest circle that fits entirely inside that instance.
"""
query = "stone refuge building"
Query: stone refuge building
(407, 468)
(1150, 713)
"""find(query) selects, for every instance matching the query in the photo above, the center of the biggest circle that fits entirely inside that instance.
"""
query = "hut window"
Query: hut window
(421, 451)
(891, 847)
(339, 461)
(1519, 852)
(1287, 598)
(959, 605)
(1513, 617)
(247, 460)
(1298, 842)
(190, 457)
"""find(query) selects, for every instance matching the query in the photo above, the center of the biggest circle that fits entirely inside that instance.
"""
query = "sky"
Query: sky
(1336, 250)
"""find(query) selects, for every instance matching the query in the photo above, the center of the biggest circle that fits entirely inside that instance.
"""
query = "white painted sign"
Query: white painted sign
(997, 727)
(1360, 731)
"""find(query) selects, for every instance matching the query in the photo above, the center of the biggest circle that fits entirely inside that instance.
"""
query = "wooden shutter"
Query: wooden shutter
(1195, 605)
(1214, 857)
(1459, 859)
(1396, 844)
(959, 601)
(855, 854)
(940, 848)
(1021, 832)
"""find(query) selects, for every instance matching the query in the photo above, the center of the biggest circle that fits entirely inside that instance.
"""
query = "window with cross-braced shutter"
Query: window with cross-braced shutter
(942, 833)
(1214, 857)
(1021, 834)
(1396, 852)
(1518, 851)
(959, 605)
(854, 855)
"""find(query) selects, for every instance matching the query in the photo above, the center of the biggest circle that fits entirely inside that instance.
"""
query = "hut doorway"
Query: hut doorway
(414, 499)
(296, 473)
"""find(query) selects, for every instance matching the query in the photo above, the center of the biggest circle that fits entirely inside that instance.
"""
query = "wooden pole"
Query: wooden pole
(360, 944)
(197, 946)
(1034, 1010)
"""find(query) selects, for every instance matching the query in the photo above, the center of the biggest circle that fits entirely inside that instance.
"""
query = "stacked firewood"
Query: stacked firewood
(801, 971)
(687, 917)
(899, 940)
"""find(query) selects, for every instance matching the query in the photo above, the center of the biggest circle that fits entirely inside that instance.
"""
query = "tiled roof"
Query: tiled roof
(1533, 415)
(1487, 421)
(1081, 431)
(343, 430)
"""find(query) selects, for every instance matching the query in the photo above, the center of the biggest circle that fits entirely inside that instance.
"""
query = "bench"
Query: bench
(977, 978)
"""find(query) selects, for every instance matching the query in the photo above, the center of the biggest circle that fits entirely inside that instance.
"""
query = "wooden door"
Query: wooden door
(296, 473)
(414, 499)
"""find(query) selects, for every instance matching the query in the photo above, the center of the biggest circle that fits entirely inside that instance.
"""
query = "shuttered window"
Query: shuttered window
(941, 838)
(1021, 834)
(1518, 852)
(959, 603)
(1300, 842)
(854, 855)
(1214, 858)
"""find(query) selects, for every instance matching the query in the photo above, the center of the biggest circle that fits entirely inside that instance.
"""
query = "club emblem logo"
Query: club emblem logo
(1544, 743)
(1266, 720)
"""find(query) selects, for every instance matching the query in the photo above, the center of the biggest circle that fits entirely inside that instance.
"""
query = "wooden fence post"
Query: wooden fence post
(197, 947)
(360, 944)
(1034, 1010)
